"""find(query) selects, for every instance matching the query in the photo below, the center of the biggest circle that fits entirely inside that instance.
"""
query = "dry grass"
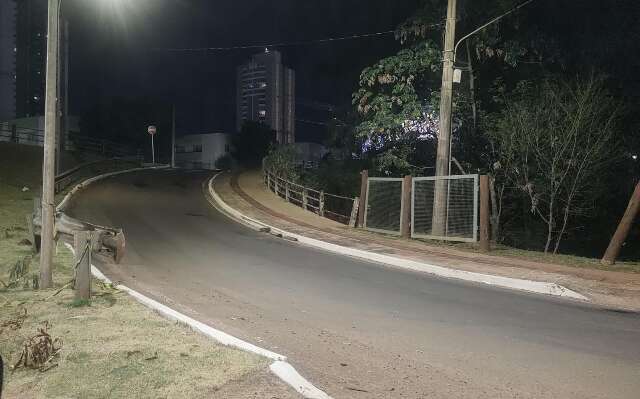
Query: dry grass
(112, 348)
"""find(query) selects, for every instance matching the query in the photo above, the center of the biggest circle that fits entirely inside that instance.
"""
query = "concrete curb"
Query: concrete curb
(280, 368)
(283, 370)
(498, 281)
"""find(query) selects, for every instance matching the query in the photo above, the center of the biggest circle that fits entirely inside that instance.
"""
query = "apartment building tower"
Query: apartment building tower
(266, 93)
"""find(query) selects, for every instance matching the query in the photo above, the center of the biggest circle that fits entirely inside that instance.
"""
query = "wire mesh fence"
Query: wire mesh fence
(384, 205)
(331, 206)
(461, 208)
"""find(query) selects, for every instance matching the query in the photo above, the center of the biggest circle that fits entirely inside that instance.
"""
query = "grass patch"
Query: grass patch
(114, 348)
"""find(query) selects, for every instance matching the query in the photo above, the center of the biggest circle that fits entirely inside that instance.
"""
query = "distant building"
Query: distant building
(266, 93)
(8, 19)
(23, 51)
(31, 54)
(201, 151)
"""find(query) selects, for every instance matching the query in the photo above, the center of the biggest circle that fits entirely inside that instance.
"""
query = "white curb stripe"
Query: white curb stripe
(283, 370)
(287, 373)
(537, 287)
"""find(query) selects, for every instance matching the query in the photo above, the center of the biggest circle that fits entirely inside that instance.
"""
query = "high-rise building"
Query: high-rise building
(31, 53)
(8, 49)
(266, 93)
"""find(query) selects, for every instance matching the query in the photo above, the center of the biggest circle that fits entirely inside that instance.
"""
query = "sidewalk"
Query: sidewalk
(247, 194)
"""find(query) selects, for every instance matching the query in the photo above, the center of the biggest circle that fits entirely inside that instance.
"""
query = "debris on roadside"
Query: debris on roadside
(39, 351)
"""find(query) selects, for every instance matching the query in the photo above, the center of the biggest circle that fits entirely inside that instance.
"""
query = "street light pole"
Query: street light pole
(444, 132)
(50, 133)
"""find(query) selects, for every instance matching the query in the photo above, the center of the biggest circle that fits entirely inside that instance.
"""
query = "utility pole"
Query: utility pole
(444, 133)
(173, 137)
(49, 161)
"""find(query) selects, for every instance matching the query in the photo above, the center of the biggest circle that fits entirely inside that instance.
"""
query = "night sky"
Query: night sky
(116, 50)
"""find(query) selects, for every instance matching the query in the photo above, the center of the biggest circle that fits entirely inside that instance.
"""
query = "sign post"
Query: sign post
(152, 131)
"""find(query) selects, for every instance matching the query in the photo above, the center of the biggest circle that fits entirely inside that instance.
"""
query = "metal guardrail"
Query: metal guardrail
(65, 179)
(335, 207)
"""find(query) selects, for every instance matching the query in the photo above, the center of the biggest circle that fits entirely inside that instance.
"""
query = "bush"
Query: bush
(282, 162)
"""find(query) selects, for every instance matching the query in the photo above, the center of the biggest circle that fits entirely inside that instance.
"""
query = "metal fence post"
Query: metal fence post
(83, 247)
(364, 177)
(484, 213)
(405, 212)
(321, 204)
(276, 187)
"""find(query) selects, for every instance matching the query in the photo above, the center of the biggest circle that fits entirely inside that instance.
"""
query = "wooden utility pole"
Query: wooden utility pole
(484, 213)
(50, 134)
(622, 231)
(444, 132)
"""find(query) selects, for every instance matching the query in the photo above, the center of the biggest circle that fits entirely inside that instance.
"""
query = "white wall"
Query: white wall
(214, 146)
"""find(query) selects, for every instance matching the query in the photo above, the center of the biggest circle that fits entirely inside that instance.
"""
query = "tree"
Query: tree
(252, 143)
(395, 101)
(555, 142)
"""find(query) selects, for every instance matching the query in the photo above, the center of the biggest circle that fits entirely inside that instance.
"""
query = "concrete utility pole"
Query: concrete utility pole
(444, 133)
(49, 161)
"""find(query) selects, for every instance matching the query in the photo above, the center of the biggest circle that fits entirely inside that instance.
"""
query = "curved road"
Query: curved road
(356, 329)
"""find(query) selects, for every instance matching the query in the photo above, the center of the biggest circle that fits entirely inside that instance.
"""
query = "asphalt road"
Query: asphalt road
(356, 329)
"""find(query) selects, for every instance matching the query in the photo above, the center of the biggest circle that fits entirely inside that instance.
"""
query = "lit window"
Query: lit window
(263, 85)
(262, 113)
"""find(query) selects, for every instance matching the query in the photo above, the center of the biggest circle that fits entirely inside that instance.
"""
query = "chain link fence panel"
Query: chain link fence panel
(461, 219)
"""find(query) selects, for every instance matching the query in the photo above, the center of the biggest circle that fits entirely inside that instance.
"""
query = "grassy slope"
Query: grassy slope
(105, 344)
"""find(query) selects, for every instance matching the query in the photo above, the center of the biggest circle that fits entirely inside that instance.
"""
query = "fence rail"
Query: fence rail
(74, 142)
(332, 206)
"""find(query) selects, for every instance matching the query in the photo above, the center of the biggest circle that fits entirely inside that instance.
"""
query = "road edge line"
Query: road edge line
(536, 287)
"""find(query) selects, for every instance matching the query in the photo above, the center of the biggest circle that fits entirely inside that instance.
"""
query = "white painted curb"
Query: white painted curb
(283, 370)
(498, 281)
(280, 367)
(286, 372)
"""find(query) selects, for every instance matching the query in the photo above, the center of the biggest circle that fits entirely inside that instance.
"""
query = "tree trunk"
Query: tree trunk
(550, 227)
(564, 226)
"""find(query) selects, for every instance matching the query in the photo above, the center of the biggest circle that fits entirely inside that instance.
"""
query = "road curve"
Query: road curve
(356, 329)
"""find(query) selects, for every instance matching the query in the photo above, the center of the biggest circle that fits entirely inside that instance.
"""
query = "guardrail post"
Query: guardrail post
(364, 178)
(321, 204)
(484, 213)
(83, 247)
(354, 212)
(305, 200)
(276, 187)
(405, 217)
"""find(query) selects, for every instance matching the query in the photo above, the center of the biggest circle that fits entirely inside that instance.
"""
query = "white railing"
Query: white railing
(336, 207)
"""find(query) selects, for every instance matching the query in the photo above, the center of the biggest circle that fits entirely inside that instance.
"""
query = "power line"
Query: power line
(289, 44)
